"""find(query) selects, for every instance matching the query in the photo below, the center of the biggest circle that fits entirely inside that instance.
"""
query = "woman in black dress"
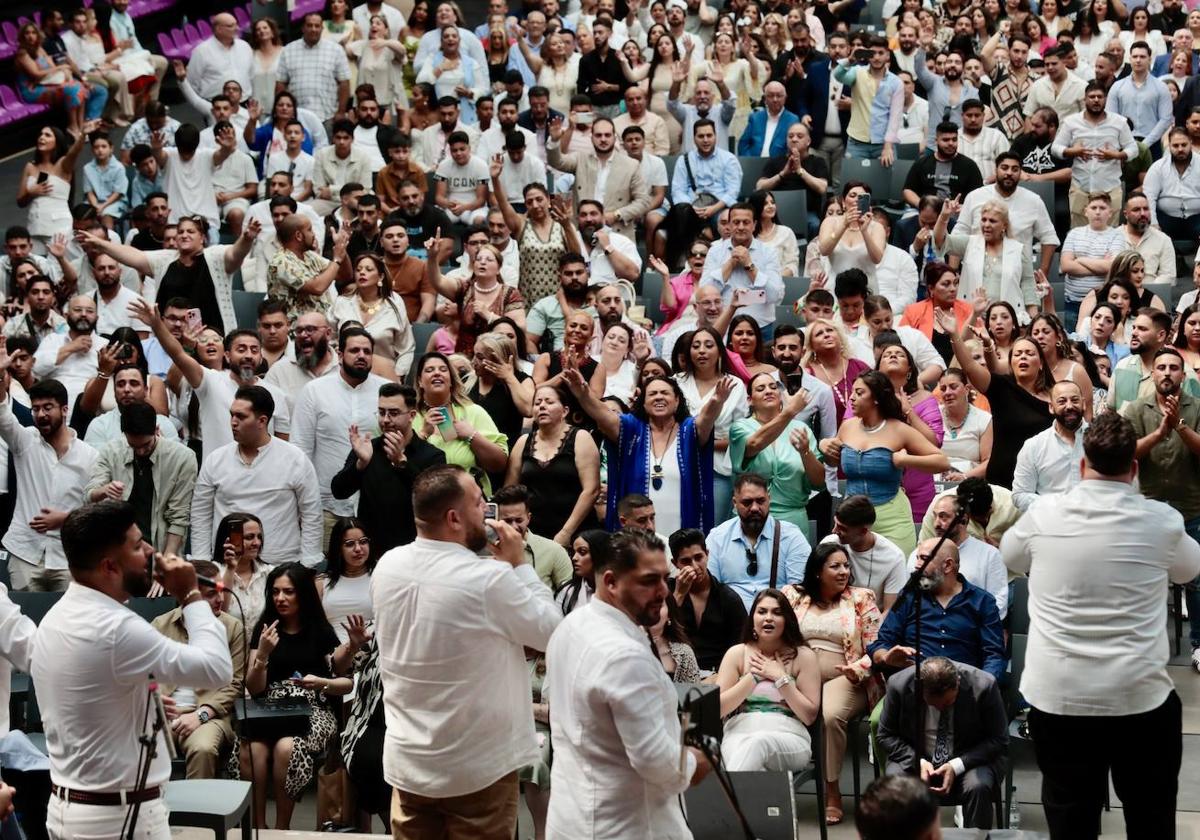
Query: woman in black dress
(1020, 400)
(560, 464)
(548, 368)
(294, 656)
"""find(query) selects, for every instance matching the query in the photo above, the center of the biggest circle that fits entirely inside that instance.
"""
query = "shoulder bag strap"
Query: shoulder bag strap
(775, 555)
(687, 164)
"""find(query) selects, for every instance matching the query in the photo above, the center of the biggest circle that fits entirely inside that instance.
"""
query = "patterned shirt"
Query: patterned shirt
(286, 275)
(140, 132)
(313, 73)
(1008, 102)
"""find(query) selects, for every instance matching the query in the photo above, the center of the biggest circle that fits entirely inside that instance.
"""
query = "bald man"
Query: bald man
(298, 273)
(221, 58)
(766, 131)
(71, 357)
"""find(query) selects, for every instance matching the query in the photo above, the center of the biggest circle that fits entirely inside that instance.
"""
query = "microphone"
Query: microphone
(210, 583)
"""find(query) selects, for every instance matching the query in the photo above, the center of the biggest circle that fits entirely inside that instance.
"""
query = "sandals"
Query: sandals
(833, 815)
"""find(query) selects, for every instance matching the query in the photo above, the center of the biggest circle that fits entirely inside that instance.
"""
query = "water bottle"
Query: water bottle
(1014, 814)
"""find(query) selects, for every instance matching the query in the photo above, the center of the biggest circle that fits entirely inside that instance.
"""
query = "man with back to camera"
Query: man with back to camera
(94, 660)
(444, 615)
(1096, 665)
(712, 614)
(618, 769)
(897, 808)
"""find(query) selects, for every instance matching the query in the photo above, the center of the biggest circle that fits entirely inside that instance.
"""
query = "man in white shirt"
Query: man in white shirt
(1049, 461)
(223, 56)
(327, 408)
(461, 181)
(294, 160)
(877, 563)
(702, 106)
(71, 357)
(215, 389)
(979, 142)
(1172, 187)
(188, 173)
(431, 144)
(1097, 143)
(52, 466)
(520, 168)
(979, 562)
(450, 760)
(112, 298)
(260, 473)
(610, 255)
(336, 165)
(94, 661)
(234, 184)
(363, 14)
(746, 270)
(914, 119)
(1058, 88)
(1099, 560)
(492, 141)
(1154, 245)
(501, 238)
(619, 769)
(310, 356)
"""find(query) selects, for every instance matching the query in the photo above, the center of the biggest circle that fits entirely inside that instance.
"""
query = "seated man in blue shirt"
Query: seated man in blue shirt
(706, 180)
(755, 550)
(958, 620)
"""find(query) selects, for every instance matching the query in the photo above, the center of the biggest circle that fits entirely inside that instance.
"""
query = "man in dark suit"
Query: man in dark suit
(812, 91)
(1181, 40)
(965, 734)
(539, 116)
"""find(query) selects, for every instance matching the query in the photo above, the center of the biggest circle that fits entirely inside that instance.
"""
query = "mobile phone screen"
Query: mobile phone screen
(864, 203)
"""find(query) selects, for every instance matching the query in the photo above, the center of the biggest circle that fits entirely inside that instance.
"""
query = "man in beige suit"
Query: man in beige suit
(609, 176)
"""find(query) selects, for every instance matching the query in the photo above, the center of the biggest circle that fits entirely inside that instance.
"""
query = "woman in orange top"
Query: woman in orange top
(942, 283)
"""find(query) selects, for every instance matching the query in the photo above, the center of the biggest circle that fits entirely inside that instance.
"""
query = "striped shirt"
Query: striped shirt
(1094, 244)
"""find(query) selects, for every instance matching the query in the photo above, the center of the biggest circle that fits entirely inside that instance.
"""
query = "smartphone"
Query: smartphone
(237, 536)
(862, 55)
(864, 204)
(446, 427)
(43, 177)
(491, 511)
(793, 382)
(194, 320)
(584, 118)
(754, 295)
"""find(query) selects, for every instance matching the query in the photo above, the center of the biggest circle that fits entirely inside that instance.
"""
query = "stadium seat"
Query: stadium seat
(652, 283)
(752, 168)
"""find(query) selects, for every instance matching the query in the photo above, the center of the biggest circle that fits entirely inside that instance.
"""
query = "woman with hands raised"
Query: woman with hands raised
(874, 447)
(770, 690)
(541, 234)
(481, 298)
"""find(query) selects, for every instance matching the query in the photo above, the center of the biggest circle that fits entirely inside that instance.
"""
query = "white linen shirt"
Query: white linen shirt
(982, 566)
(92, 661)
(768, 277)
(215, 393)
(16, 645)
(44, 481)
(325, 410)
(600, 270)
(1046, 464)
(74, 371)
(1172, 193)
(279, 486)
(615, 732)
(452, 627)
(212, 64)
(1028, 218)
(897, 279)
(1099, 558)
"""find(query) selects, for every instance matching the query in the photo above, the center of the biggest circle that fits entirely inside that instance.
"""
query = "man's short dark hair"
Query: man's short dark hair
(634, 501)
(1162, 321)
(38, 278)
(972, 105)
(355, 332)
(785, 330)
(350, 187)
(395, 389)
(260, 399)
(234, 335)
(539, 91)
(178, 302)
(21, 342)
(977, 494)
(686, 538)
(341, 127)
(1094, 85)
(514, 494)
(625, 548)
(16, 232)
(139, 153)
(49, 389)
(1007, 155)
(435, 491)
(139, 418)
(947, 128)
(821, 297)
(1168, 351)
(895, 808)
(368, 200)
(271, 306)
(1110, 444)
(94, 529)
(851, 283)
(570, 258)
(856, 511)
(632, 129)
(751, 478)
(458, 137)
(703, 123)
(447, 102)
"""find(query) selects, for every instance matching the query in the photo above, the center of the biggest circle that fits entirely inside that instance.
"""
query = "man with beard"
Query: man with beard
(876, 103)
(299, 274)
(330, 405)
(1167, 424)
(1132, 377)
(615, 706)
(259, 472)
(978, 561)
(456, 763)
(1049, 461)
(52, 467)
(600, 73)
(491, 142)
(215, 389)
(743, 264)
(1097, 143)
(501, 237)
(945, 173)
(112, 298)
(610, 309)
(979, 142)
(904, 57)
(420, 220)
(94, 658)
(776, 550)
(432, 145)
(405, 269)
(712, 614)
(548, 558)
(610, 256)
(702, 105)
(797, 169)
(157, 211)
(41, 318)
(1038, 162)
(129, 387)
(311, 356)
(706, 309)
(71, 357)
(607, 176)
(371, 137)
(380, 471)
(1028, 218)
(550, 313)
(364, 233)
(819, 413)
(1173, 189)
(653, 126)
(1156, 248)
(945, 93)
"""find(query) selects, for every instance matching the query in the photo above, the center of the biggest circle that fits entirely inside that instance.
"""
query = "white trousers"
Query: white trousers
(75, 821)
(766, 741)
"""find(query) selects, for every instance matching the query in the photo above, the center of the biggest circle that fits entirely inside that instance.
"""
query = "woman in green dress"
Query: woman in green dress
(777, 445)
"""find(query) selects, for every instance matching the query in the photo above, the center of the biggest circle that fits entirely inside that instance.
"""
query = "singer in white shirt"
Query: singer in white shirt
(619, 767)
(93, 662)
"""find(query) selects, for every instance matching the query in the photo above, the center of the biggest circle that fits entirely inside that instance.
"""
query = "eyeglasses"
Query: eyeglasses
(751, 563)
(698, 254)
(363, 541)
(656, 476)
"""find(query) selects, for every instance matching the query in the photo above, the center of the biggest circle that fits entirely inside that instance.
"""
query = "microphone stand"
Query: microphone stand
(147, 752)
(913, 589)
(712, 751)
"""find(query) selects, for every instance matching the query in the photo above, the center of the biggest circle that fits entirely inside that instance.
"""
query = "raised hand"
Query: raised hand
(951, 207)
(496, 165)
(724, 388)
(798, 438)
(58, 246)
(556, 128)
(269, 638)
(434, 243)
(180, 69)
(356, 628)
(946, 321)
(660, 266)
(360, 443)
(679, 72)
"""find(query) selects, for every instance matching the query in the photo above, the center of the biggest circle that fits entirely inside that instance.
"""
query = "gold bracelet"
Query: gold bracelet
(188, 599)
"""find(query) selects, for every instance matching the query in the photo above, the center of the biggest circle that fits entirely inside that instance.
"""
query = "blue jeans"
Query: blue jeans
(1191, 592)
(863, 151)
(97, 99)
(1070, 313)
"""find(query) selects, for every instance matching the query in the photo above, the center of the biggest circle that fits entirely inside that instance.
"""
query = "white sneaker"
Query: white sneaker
(1196, 659)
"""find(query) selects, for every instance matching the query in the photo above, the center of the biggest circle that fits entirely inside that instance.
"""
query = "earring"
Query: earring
(754, 635)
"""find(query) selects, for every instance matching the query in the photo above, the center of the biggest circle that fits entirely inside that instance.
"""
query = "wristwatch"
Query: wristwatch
(784, 680)
(203, 715)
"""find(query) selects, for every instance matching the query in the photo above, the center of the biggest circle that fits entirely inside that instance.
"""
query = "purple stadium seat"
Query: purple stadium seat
(193, 36)
(243, 18)
(205, 29)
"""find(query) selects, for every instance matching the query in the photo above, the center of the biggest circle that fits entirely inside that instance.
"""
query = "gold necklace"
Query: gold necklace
(368, 308)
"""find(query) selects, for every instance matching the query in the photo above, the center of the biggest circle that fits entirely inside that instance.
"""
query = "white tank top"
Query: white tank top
(351, 596)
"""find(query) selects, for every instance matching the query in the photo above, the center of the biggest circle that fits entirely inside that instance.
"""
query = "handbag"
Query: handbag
(701, 199)
(775, 555)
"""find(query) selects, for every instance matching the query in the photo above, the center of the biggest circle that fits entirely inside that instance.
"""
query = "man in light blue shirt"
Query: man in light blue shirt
(741, 550)
(746, 270)
(1143, 99)
(706, 181)
(941, 91)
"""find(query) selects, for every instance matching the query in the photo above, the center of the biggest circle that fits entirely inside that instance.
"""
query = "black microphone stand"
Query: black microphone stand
(712, 751)
(147, 752)
(913, 589)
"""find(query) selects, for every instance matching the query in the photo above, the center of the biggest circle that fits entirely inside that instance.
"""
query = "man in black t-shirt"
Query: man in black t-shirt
(945, 173)
(421, 221)
(799, 170)
(1033, 148)
(722, 615)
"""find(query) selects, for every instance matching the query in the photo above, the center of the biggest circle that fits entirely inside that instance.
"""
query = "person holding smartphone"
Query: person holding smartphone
(746, 270)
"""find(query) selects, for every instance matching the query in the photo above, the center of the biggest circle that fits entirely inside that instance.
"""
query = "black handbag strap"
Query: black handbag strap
(775, 555)
(687, 164)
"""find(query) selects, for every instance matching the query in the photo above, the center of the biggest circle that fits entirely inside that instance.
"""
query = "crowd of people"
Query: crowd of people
(448, 223)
